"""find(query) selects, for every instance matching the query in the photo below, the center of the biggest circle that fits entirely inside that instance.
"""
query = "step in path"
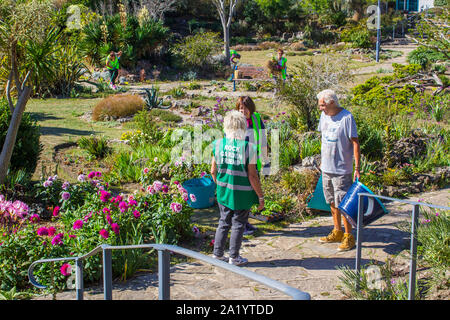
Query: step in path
(292, 256)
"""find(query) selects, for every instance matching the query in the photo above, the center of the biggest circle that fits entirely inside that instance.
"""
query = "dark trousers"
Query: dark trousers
(113, 75)
(234, 220)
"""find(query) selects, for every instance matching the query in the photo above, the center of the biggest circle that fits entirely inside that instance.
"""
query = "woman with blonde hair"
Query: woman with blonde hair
(233, 168)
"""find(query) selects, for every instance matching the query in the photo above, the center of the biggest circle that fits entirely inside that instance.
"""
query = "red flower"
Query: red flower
(56, 211)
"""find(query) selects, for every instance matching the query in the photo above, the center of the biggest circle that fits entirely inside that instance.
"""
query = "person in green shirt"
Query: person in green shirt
(233, 168)
(112, 63)
(281, 64)
(256, 133)
(233, 56)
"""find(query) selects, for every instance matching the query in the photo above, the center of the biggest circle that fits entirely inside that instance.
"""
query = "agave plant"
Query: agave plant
(152, 100)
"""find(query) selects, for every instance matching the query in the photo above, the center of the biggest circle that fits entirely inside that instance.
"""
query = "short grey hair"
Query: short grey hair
(328, 95)
(235, 125)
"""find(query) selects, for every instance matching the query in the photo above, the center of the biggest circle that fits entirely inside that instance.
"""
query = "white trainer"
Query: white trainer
(239, 261)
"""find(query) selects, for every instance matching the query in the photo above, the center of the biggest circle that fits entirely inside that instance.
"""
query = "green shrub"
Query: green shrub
(176, 92)
(424, 57)
(96, 147)
(289, 153)
(165, 115)
(146, 124)
(27, 148)
(195, 50)
(310, 147)
(359, 37)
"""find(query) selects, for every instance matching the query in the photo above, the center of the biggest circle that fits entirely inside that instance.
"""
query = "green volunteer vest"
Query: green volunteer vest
(114, 64)
(234, 190)
(256, 121)
(283, 66)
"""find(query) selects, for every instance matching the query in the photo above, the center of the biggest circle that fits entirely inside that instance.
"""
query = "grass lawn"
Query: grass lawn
(60, 122)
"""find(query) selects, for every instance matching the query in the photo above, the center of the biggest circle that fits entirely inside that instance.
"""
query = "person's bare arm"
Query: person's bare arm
(214, 170)
(357, 155)
(256, 184)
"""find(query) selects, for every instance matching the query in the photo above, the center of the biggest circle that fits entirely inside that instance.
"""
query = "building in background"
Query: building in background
(414, 5)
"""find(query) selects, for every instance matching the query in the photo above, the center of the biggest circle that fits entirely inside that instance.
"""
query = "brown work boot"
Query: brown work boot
(334, 236)
(348, 242)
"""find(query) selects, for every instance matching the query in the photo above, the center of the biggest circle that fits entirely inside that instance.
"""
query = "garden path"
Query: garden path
(386, 65)
(292, 255)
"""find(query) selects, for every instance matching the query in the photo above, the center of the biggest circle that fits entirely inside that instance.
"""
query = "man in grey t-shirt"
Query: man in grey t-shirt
(339, 145)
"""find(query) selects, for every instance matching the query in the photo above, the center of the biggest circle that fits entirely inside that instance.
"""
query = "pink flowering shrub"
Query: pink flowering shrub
(12, 213)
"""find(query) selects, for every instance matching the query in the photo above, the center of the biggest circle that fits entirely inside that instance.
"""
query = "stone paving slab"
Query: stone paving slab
(292, 256)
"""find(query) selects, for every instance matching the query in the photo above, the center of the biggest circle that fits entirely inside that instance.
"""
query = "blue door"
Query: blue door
(413, 5)
(407, 5)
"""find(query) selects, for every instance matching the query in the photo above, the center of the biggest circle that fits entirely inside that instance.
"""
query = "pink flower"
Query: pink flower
(146, 170)
(123, 206)
(65, 195)
(151, 190)
(176, 207)
(106, 210)
(98, 174)
(72, 236)
(104, 196)
(165, 188)
(136, 214)
(176, 182)
(115, 227)
(193, 198)
(91, 174)
(157, 185)
(34, 218)
(132, 202)
(109, 219)
(203, 174)
(185, 196)
(51, 231)
(195, 229)
(66, 269)
(104, 233)
(77, 225)
(57, 240)
(211, 244)
(47, 183)
(43, 231)
(56, 211)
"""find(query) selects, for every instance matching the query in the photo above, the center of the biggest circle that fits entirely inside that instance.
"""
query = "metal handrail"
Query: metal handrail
(413, 250)
(163, 270)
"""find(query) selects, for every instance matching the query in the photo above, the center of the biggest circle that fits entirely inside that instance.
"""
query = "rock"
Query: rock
(299, 35)
(286, 36)
(122, 80)
(310, 161)
(95, 75)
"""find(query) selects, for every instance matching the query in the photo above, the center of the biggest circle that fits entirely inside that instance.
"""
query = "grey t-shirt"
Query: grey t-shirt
(337, 147)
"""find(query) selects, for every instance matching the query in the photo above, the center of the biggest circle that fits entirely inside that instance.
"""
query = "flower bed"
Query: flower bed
(86, 215)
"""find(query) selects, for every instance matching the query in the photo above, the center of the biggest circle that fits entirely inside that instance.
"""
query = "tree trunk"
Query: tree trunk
(10, 140)
(226, 44)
